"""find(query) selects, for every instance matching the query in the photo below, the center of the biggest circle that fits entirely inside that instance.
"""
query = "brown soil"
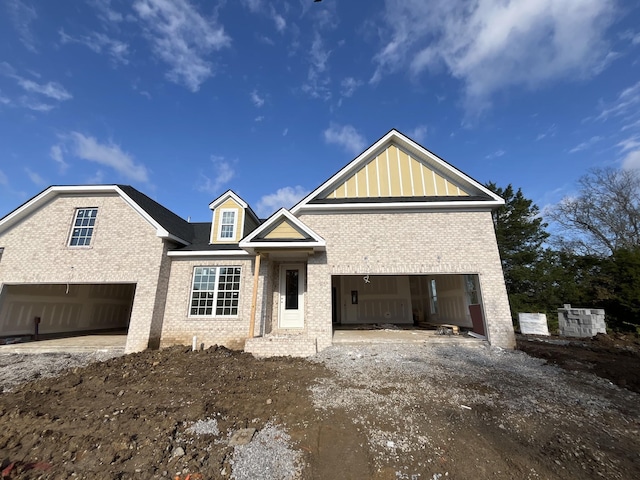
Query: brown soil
(614, 357)
(126, 417)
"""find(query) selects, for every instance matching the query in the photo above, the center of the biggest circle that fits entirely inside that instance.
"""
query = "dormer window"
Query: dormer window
(83, 225)
(228, 220)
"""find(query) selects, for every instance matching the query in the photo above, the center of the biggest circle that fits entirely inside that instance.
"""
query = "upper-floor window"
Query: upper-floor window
(83, 226)
(227, 224)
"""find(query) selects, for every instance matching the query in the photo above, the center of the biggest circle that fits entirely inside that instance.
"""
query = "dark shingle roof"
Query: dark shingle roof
(172, 223)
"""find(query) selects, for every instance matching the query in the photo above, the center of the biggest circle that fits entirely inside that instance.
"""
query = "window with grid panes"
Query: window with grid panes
(83, 224)
(215, 292)
(228, 224)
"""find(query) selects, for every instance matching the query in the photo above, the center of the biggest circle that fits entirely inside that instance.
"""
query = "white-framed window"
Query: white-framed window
(83, 224)
(228, 220)
(215, 292)
(433, 294)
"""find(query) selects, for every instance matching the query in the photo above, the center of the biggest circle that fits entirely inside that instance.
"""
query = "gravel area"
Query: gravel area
(381, 412)
(16, 368)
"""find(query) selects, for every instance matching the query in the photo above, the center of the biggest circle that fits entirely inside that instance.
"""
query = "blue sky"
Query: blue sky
(184, 99)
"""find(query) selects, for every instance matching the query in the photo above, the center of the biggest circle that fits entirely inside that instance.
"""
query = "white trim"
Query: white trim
(25, 209)
(366, 176)
(399, 172)
(248, 242)
(299, 320)
(412, 147)
(460, 205)
(234, 235)
(378, 172)
(413, 190)
(207, 253)
(225, 196)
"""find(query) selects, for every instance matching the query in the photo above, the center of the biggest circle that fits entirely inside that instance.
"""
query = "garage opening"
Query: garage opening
(61, 310)
(407, 302)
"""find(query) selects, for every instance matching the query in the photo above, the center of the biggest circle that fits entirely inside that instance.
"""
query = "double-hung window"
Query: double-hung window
(83, 225)
(227, 225)
(215, 292)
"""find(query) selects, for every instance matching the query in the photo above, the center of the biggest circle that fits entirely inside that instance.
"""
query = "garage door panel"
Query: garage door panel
(64, 308)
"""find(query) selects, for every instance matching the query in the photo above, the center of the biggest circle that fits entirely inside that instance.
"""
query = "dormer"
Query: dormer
(232, 219)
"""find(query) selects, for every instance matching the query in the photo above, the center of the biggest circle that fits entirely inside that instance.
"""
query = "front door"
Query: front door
(291, 296)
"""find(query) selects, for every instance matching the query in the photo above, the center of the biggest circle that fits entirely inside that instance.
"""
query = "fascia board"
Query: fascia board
(248, 242)
(343, 172)
(26, 208)
(224, 196)
(208, 253)
(404, 142)
(430, 206)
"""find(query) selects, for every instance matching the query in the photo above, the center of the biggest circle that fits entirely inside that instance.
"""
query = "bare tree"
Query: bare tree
(605, 215)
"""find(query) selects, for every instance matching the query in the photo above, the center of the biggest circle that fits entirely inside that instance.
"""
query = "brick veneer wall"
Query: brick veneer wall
(179, 328)
(124, 249)
(454, 242)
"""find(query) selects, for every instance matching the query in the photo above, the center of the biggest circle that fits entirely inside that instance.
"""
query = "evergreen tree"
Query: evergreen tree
(520, 232)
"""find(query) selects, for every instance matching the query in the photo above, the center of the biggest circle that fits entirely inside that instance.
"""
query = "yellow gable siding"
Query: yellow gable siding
(285, 231)
(394, 173)
(215, 227)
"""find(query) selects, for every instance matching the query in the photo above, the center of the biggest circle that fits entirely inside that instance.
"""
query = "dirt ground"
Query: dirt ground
(380, 412)
(615, 357)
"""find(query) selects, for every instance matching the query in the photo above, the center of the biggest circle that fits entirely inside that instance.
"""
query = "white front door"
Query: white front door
(291, 296)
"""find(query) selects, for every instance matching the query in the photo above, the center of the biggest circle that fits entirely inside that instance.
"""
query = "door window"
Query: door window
(291, 289)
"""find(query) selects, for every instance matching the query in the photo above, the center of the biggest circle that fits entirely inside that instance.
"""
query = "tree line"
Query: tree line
(591, 257)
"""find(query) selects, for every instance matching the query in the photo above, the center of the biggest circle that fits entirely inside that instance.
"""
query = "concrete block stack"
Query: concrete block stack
(581, 322)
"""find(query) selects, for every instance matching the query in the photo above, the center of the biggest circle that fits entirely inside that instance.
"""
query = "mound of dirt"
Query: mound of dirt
(133, 416)
(614, 357)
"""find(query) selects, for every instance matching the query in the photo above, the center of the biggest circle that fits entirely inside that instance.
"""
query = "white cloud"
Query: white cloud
(35, 105)
(284, 132)
(419, 134)
(56, 153)
(585, 145)
(109, 154)
(256, 99)
(349, 85)
(22, 15)
(4, 180)
(493, 44)
(259, 118)
(223, 171)
(497, 154)
(285, 197)
(550, 132)
(35, 177)
(182, 38)
(317, 84)
(345, 136)
(99, 43)
(630, 143)
(97, 178)
(106, 13)
(50, 89)
(632, 160)
(627, 104)
(279, 20)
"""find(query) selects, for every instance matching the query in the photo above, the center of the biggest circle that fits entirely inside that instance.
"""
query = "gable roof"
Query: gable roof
(397, 172)
(298, 236)
(167, 224)
(231, 194)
